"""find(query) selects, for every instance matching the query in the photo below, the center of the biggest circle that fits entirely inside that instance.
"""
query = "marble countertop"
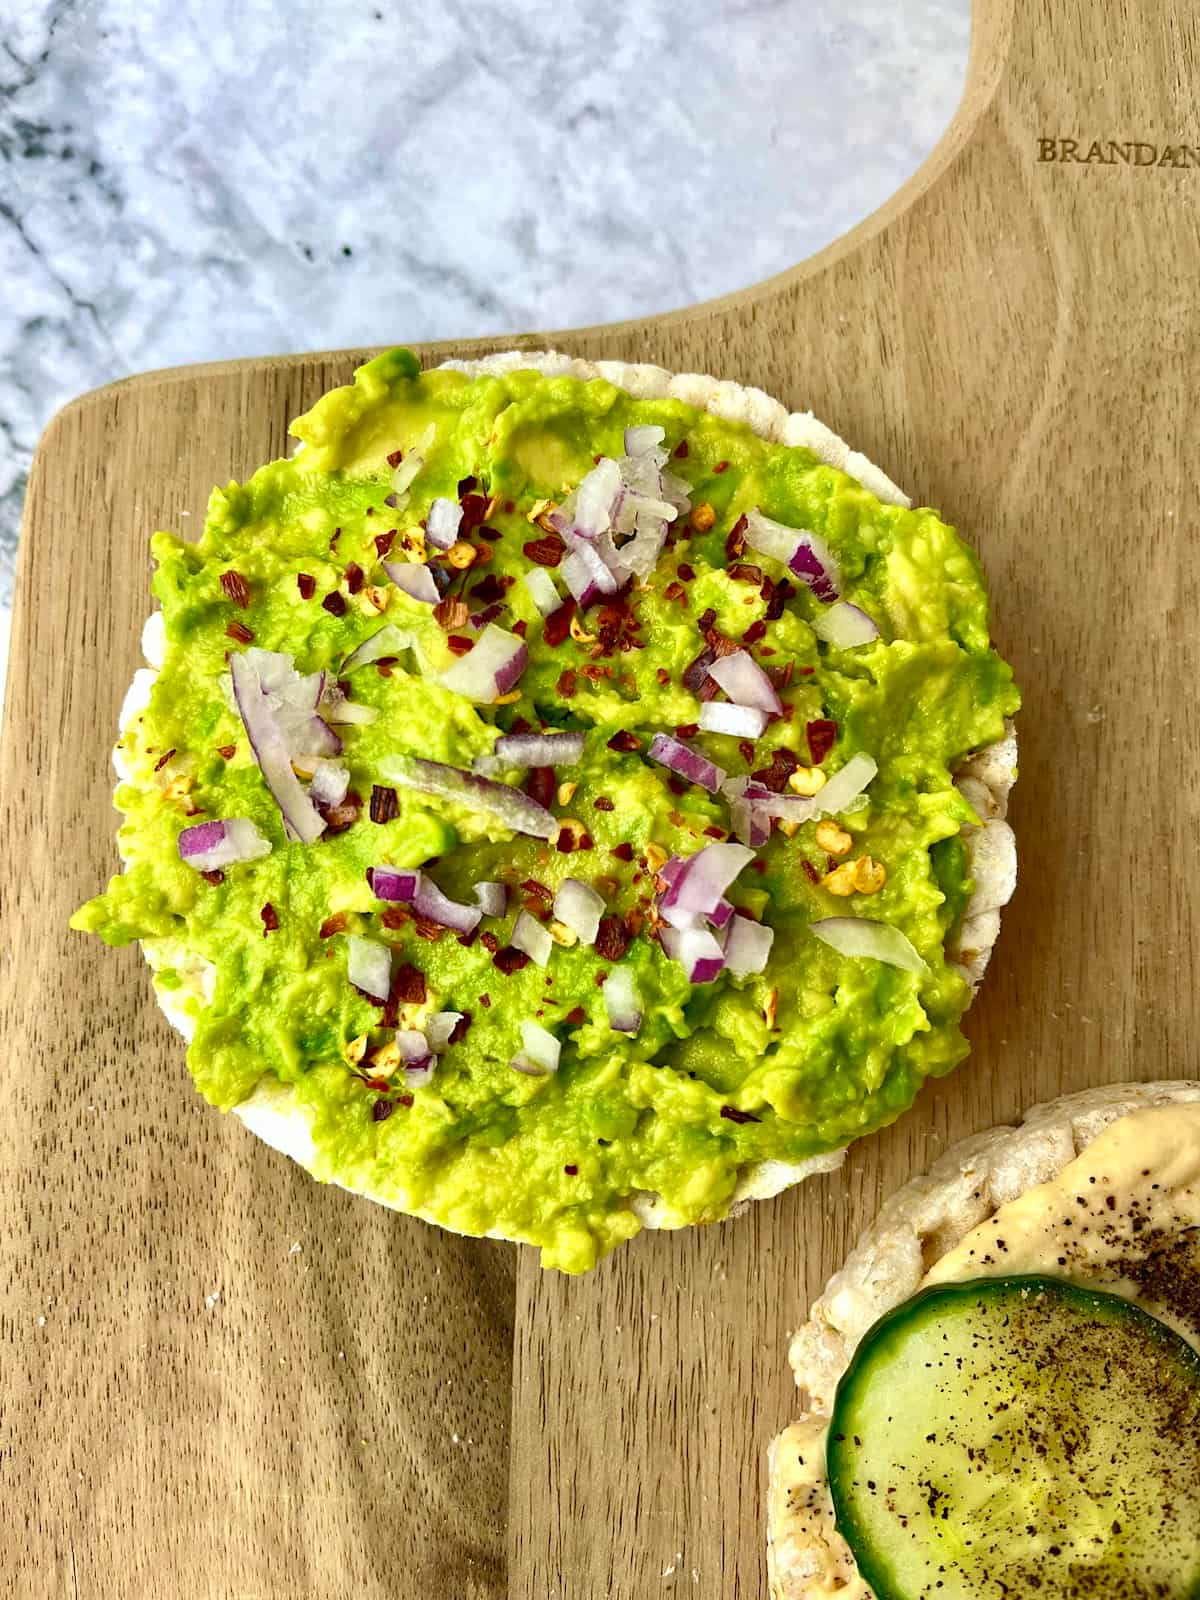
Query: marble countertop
(189, 180)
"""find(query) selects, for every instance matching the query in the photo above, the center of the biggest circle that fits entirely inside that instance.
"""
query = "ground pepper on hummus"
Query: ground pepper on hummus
(556, 789)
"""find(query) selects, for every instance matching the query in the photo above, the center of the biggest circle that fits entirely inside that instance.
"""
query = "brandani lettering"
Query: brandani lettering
(1118, 153)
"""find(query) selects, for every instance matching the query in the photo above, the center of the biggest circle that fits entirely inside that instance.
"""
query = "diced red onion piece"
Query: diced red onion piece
(688, 763)
(771, 538)
(539, 749)
(492, 898)
(301, 818)
(330, 783)
(393, 883)
(386, 641)
(643, 440)
(579, 906)
(415, 579)
(307, 736)
(412, 1044)
(595, 499)
(529, 936)
(859, 936)
(442, 523)
(813, 563)
(622, 1001)
(542, 587)
(369, 966)
(701, 883)
(439, 1027)
(429, 901)
(419, 1074)
(845, 626)
(490, 670)
(747, 946)
(541, 1052)
(721, 914)
(212, 845)
(641, 554)
(748, 826)
(745, 682)
(587, 575)
(505, 805)
(696, 951)
(740, 721)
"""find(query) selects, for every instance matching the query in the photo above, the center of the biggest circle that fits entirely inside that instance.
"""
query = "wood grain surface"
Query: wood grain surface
(220, 1379)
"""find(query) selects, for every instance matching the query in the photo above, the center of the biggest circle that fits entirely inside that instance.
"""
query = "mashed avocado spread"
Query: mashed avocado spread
(513, 1056)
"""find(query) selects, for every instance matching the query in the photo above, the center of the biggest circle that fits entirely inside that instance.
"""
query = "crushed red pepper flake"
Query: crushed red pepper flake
(467, 485)
(344, 815)
(460, 1029)
(681, 450)
(686, 571)
(558, 624)
(163, 759)
(240, 632)
(732, 1114)
(603, 803)
(735, 539)
(714, 832)
(510, 960)
(624, 741)
(744, 572)
(677, 785)
(807, 672)
(334, 924)
(384, 804)
(236, 587)
(781, 676)
(781, 593)
(810, 872)
(214, 876)
(485, 1000)
(450, 613)
(227, 750)
(572, 1170)
(354, 577)
(532, 886)
(488, 588)
(547, 551)
(270, 919)
(540, 785)
(383, 542)
(687, 730)
(623, 852)
(675, 591)
(595, 673)
(612, 938)
(335, 604)
(409, 984)
(306, 584)
(663, 676)
(458, 644)
(395, 458)
(754, 632)
(519, 628)
(474, 510)
(821, 734)
(382, 1110)
(337, 534)
(576, 1016)
(489, 942)
(568, 682)
(721, 466)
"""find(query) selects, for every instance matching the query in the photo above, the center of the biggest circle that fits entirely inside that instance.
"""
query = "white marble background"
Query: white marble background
(186, 180)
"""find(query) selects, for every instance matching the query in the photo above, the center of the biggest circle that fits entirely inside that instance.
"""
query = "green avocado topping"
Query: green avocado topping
(716, 1074)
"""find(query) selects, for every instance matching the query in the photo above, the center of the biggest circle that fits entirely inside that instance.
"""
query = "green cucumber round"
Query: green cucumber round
(1020, 1438)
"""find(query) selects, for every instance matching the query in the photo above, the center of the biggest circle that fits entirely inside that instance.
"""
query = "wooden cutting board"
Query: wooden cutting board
(220, 1379)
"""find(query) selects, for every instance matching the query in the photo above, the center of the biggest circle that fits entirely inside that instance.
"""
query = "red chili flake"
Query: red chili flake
(558, 624)
(810, 872)
(306, 584)
(663, 676)
(450, 613)
(754, 632)
(395, 458)
(612, 938)
(334, 924)
(489, 942)
(623, 852)
(213, 876)
(595, 673)
(714, 832)
(532, 886)
(675, 591)
(270, 920)
(807, 672)
(782, 592)
(759, 866)
(571, 1171)
(409, 984)
(458, 644)
(603, 803)
(466, 485)
(783, 763)
(354, 577)
(735, 540)
(335, 604)
(474, 510)
(677, 785)
(485, 1000)
(746, 746)
(488, 589)
(781, 676)
(732, 1114)
(382, 1110)
(340, 817)
(384, 804)
(568, 682)
(490, 534)
(576, 1016)
(509, 508)
(743, 572)
(681, 450)
(547, 551)
(519, 628)
(240, 632)
(687, 730)
(721, 466)
(162, 760)
(370, 512)
(459, 1031)
(337, 534)
(686, 572)
(624, 741)
(227, 750)
(540, 785)
(236, 587)
(821, 735)
(510, 960)
(719, 644)
(383, 542)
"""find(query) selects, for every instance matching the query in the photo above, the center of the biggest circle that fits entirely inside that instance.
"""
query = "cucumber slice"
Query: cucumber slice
(1020, 1437)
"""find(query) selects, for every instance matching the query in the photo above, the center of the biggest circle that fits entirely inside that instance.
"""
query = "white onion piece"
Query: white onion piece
(490, 670)
(330, 782)
(542, 587)
(805, 555)
(845, 626)
(586, 575)
(643, 440)
(439, 1027)
(676, 490)
(596, 498)
(879, 941)
(442, 523)
(622, 1001)
(741, 722)
(301, 818)
(492, 898)
(429, 901)
(529, 936)
(541, 1052)
(406, 470)
(369, 966)
(386, 641)
(696, 951)
(538, 749)
(209, 846)
(419, 1074)
(641, 554)
(747, 946)
(414, 579)
(846, 786)
(394, 884)
(502, 804)
(745, 682)
(688, 763)
(336, 708)
(771, 538)
(579, 906)
(412, 1044)
(700, 883)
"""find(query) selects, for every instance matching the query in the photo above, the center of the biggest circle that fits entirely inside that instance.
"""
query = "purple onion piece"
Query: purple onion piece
(688, 763)
(492, 669)
(540, 749)
(503, 804)
(696, 950)
(414, 579)
(209, 846)
(429, 901)
(301, 818)
(391, 883)
(745, 682)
